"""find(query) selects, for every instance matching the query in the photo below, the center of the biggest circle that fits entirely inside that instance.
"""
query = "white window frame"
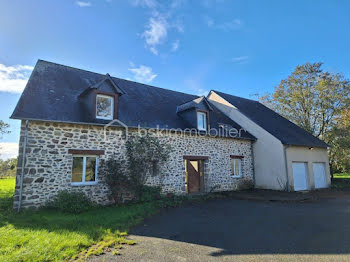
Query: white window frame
(233, 165)
(199, 113)
(84, 183)
(112, 107)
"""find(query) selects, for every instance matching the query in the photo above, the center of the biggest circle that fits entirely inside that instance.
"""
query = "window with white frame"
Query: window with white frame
(85, 169)
(104, 107)
(236, 167)
(202, 121)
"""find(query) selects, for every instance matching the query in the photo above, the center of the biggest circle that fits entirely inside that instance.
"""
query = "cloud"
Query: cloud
(210, 21)
(177, 3)
(143, 73)
(155, 33)
(13, 79)
(201, 92)
(153, 50)
(175, 46)
(163, 19)
(83, 4)
(195, 86)
(145, 3)
(230, 25)
(8, 150)
(240, 59)
(234, 24)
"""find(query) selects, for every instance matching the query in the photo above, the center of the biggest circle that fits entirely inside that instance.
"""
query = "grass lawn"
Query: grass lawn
(48, 235)
(342, 175)
(7, 187)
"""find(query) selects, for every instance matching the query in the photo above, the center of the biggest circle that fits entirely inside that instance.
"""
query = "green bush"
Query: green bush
(71, 202)
(116, 177)
(149, 193)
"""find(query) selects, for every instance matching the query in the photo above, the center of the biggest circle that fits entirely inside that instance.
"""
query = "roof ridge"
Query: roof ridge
(251, 100)
(84, 70)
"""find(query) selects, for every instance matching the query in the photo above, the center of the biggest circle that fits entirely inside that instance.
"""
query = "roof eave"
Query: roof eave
(132, 127)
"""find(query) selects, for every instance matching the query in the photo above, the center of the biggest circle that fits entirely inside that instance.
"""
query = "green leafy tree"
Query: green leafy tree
(339, 138)
(314, 99)
(8, 167)
(144, 155)
(3, 128)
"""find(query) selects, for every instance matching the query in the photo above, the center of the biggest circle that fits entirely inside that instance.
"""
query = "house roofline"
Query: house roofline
(175, 130)
(283, 143)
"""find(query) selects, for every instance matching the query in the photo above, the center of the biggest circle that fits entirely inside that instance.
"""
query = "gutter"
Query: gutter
(22, 166)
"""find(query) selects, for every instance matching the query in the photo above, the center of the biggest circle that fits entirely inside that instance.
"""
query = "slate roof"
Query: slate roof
(52, 94)
(195, 103)
(281, 128)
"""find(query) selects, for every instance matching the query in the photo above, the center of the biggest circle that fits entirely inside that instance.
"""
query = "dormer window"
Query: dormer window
(104, 107)
(202, 121)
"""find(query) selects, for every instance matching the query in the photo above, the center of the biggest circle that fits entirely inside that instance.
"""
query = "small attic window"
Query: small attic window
(202, 121)
(104, 107)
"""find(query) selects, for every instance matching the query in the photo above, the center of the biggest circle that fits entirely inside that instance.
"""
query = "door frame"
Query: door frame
(200, 160)
(324, 174)
(306, 166)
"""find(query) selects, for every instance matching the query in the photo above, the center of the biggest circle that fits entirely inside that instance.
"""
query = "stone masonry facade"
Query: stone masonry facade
(48, 165)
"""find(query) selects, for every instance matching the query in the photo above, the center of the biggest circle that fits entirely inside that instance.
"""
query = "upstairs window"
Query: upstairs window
(104, 107)
(202, 121)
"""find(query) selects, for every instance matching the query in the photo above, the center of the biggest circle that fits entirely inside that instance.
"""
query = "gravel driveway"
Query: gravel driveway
(241, 230)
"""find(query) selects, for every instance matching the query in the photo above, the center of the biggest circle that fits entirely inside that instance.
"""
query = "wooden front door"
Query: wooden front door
(193, 176)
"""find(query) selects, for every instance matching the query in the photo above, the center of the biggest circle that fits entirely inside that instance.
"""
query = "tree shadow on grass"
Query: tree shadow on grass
(93, 223)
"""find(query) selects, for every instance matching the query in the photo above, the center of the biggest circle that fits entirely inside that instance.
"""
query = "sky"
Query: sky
(243, 48)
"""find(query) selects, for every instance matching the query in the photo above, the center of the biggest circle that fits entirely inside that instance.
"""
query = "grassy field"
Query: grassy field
(48, 235)
(7, 187)
(342, 175)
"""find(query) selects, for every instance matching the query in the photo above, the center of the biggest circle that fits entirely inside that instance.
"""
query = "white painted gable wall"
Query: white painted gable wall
(269, 159)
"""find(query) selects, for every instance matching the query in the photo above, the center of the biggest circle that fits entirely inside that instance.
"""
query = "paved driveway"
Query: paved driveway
(241, 230)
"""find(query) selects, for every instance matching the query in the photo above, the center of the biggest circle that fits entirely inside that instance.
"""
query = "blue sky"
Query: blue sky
(238, 47)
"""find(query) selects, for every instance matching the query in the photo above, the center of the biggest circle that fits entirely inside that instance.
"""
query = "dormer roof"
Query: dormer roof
(197, 103)
(105, 79)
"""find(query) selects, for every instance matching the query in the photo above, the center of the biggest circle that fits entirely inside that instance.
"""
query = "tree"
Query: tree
(8, 167)
(144, 154)
(339, 138)
(315, 100)
(3, 128)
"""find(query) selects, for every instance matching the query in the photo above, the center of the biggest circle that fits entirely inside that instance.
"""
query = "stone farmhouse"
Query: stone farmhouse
(71, 119)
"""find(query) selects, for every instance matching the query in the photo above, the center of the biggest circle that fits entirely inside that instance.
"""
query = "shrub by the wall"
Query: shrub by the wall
(150, 193)
(71, 202)
(117, 179)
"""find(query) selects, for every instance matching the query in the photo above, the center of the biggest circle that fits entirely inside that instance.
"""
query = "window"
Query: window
(85, 169)
(104, 107)
(155, 168)
(236, 170)
(202, 121)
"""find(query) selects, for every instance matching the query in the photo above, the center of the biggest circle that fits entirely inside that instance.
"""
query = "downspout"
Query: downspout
(286, 165)
(23, 164)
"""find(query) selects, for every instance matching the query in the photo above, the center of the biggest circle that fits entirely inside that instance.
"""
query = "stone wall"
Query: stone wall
(49, 165)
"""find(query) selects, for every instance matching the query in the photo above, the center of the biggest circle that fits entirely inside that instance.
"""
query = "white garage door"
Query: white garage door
(300, 176)
(319, 175)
